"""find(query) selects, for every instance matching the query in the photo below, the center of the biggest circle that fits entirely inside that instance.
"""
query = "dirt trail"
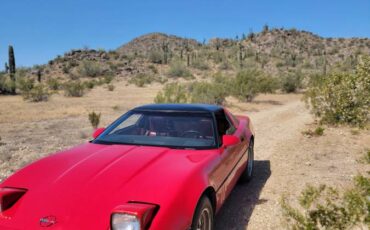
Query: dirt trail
(273, 127)
(286, 161)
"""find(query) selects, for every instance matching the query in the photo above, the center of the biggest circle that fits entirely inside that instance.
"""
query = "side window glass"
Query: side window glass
(231, 128)
(224, 126)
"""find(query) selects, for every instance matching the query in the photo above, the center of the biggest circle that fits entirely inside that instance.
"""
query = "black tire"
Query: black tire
(203, 216)
(247, 174)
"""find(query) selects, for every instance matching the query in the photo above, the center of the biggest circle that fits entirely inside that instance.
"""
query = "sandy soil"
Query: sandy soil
(286, 160)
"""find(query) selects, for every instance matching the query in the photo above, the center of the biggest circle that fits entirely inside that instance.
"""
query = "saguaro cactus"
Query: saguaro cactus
(241, 49)
(165, 50)
(39, 74)
(12, 68)
(6, 67)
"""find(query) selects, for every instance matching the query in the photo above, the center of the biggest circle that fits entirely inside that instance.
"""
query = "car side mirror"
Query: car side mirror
(229, 140)
(97, 132)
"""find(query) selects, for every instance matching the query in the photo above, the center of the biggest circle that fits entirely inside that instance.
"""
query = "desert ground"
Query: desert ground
(286, 160)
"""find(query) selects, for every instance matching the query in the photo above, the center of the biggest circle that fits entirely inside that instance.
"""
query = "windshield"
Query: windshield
(169, 129)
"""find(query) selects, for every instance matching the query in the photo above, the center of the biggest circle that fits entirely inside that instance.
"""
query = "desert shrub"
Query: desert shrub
(37, 93)
(94, 119)
(245, 85)
(110, 87)
(90, 69)
(153, 69)
(290, 83)
(142, 79)
(73, 89)
(53, 84)
(90, 84)
(225, 65)
(318, 131)
(156, 57)
(267, 84)
(367, 157)
(7, 86)
(226, 82)
(25, 84)
(217, 57)
(208, 93)
(172, 93)
(327, 208)
(178, 69)
(342, 98)
(66, 68)
(106, 79)
(200, 64)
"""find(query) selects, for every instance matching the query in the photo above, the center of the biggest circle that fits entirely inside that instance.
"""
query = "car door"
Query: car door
(224, 172)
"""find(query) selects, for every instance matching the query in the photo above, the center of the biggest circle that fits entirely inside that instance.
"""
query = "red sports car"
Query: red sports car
(162, 166)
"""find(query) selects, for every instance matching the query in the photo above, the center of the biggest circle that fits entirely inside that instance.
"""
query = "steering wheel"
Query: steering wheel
(191, 134)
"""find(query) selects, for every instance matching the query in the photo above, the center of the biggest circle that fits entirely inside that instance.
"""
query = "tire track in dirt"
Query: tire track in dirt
(255, 205)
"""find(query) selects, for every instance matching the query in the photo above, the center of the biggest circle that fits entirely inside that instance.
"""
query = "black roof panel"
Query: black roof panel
(180, 107)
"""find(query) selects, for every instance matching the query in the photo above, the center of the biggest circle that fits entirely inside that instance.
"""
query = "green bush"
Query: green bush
(178, 69)
(342, 98)
(110, 87)
(90, 84)
(38, 93)
(290, 83)
(267, 84)
(245, 85)
(326, 208)
(74, 89)
(208, 93)
(25, 84)
(200, 64)
(7, 86)
(225, 65)
(319, 131)
(142, 79)
(53, 84)
(90, 69)
(156, 57)
(94, 119)
(106, 79)
(172, 93)
(153, 69)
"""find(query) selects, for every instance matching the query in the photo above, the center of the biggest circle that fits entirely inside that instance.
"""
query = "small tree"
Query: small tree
(74, 89)
(178, 69)
(245, 87)
(172, 93)
(94, 119)
(290, 83)
(37, 94)
(342, 98)
(208, 93)
(90, 69)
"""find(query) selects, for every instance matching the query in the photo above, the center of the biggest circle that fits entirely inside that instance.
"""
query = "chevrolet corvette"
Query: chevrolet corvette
(158, 167)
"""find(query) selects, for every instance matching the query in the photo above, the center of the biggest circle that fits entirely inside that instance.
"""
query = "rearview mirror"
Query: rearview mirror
(97, 132)
(229, 140)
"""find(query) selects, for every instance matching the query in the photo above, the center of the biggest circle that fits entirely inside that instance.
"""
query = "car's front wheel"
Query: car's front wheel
(203, 216)
(248, 172)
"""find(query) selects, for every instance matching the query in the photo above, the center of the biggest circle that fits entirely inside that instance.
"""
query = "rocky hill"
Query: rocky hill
(273, 51)
(145, 44)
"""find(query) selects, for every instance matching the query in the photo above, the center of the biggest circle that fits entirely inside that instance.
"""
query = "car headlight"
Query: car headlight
(122, 221)
(133, 216)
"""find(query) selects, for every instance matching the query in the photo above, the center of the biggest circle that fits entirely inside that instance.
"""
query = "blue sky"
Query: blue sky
(41, 29)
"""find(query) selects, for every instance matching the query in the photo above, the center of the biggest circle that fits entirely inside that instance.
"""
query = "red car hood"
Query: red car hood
(90, 180)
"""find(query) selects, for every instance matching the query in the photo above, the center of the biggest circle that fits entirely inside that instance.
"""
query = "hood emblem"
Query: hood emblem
(48, 221)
